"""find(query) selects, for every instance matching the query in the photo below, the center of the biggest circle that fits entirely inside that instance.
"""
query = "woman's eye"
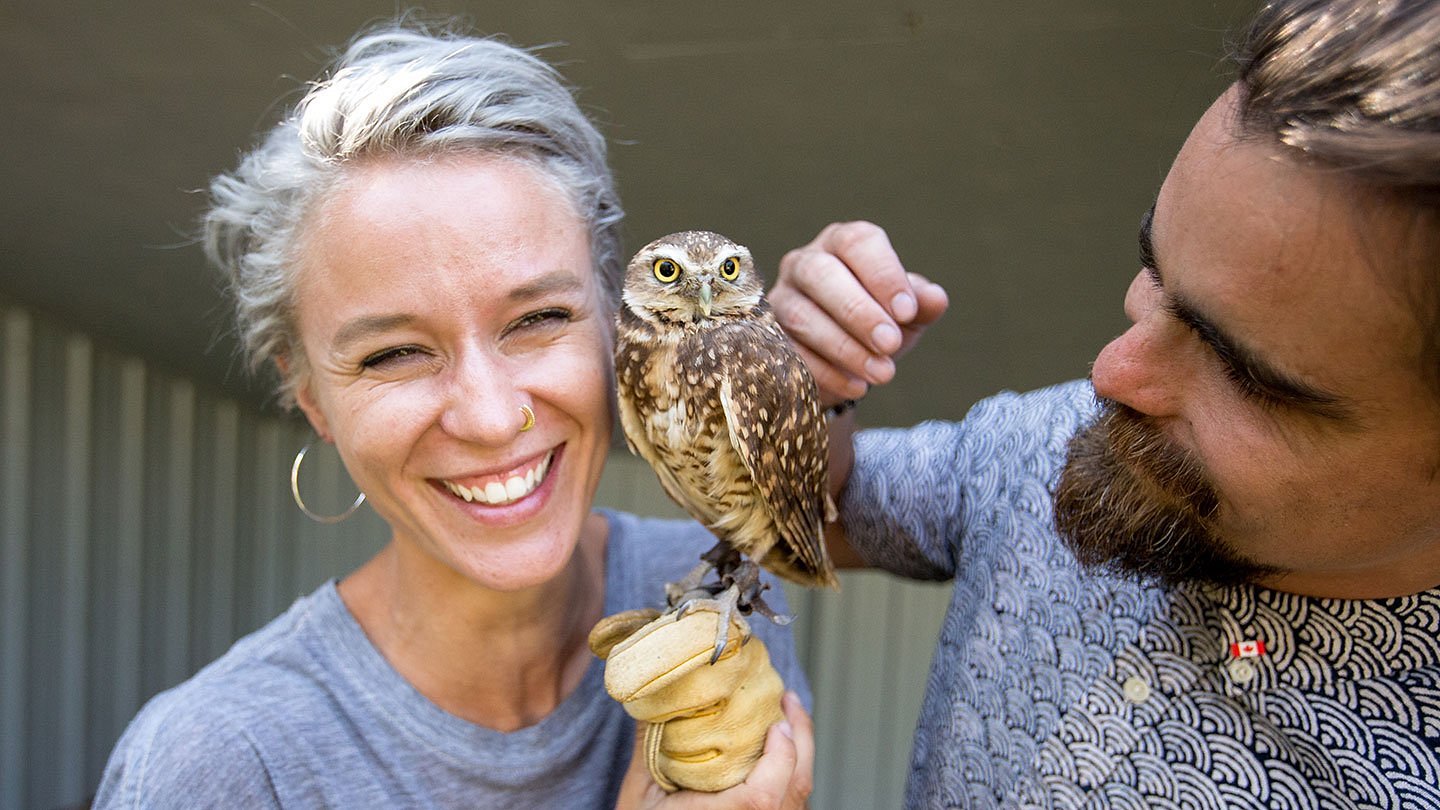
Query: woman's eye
(386, 356)
(542, 316)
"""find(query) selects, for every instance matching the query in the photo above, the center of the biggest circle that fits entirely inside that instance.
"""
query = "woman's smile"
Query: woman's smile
(501, 489)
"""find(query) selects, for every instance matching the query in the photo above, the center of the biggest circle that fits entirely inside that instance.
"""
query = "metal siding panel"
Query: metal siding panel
(116, 546)
(865, 700)
(16, 345)
(176, 532)
(45, 634)
(216, 525)
(289, 521)
(259, 527)
(829, 682)
(74, 518)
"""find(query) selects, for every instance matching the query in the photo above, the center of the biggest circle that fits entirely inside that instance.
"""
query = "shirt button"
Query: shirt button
(1136, 690)
(1241, 671)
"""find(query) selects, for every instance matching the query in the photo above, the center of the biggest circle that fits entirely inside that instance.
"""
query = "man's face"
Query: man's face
(1268, 419)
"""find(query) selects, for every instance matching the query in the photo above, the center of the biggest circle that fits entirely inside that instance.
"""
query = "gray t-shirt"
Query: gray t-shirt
(305, 712)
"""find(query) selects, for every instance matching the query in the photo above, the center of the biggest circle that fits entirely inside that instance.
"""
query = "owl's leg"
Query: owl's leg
(720, 558)
(742, 593)
(745, 577)
(677, 593)
(726, 601)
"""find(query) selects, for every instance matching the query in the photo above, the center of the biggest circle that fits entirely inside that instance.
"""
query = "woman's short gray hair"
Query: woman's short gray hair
(397, 91)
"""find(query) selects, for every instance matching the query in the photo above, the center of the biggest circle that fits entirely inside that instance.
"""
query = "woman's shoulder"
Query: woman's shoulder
(217, 721)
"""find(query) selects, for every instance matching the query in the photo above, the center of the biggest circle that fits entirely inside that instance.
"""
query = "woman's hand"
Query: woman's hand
(851, 308)
(782, 777)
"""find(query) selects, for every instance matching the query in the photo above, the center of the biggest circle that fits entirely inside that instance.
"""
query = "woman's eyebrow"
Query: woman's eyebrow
(547, 284)
(367, 325)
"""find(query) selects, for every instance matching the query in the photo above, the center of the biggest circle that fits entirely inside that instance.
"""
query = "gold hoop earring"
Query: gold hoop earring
(300, 502)
(529, 418)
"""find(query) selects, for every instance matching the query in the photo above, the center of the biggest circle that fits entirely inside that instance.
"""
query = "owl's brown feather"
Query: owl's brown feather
(724, 409)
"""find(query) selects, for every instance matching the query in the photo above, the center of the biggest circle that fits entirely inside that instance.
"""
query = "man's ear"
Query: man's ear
(305, 398)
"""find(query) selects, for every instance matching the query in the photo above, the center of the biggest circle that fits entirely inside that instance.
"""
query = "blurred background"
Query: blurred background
(1007, 146)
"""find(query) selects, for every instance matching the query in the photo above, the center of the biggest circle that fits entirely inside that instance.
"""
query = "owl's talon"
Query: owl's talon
(724, 604)
(690, 586)
(757, 604)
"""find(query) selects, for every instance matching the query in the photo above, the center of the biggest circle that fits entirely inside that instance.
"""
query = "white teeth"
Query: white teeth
(514, 488)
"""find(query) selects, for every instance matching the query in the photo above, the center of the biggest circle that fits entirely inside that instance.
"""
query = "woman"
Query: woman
(427, 251)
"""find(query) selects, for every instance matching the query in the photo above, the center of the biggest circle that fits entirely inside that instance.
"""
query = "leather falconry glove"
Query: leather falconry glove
(704, 724)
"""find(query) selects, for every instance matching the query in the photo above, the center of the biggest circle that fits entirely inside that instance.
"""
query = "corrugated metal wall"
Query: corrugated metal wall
(144, 525)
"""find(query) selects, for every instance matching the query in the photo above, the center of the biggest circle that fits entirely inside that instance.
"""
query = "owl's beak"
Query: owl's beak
(706, 297)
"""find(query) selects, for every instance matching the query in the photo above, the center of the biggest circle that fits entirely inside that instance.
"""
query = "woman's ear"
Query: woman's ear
(305, 398)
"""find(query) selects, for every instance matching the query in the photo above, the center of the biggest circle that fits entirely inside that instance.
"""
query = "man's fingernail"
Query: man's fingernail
(886, 338)
(879, 369)
(902, 306)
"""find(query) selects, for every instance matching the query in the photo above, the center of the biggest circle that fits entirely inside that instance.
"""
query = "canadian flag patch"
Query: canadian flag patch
(1247, 649)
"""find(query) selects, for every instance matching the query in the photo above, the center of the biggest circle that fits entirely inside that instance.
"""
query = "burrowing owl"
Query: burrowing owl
(715, 398)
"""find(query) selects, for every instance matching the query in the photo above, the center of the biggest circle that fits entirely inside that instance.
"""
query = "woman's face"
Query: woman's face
(433, 300)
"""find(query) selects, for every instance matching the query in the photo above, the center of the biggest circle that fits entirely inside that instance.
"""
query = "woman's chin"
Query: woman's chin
(519, 564)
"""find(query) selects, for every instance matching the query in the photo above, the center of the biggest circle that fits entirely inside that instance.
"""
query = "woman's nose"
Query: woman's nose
(1141, 367)
(483, 402)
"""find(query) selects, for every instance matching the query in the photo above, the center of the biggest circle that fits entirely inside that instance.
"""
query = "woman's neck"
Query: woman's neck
(503, 660)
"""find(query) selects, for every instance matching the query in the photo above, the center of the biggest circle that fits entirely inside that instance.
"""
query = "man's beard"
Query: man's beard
(1131, 502)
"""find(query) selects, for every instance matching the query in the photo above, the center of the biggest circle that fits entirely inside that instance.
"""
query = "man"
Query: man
(1221, 587)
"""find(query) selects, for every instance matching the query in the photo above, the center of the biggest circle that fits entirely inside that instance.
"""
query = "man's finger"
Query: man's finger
(826, 280)
(812, 328)
(932, 300)
(865, 248)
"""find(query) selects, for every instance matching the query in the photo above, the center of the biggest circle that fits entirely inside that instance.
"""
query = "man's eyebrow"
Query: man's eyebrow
(1246, 366)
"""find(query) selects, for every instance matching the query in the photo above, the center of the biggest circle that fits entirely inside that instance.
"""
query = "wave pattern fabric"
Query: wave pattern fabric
(1057, 688)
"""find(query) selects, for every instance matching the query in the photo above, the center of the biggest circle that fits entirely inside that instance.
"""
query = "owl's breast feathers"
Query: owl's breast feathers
(728, 416)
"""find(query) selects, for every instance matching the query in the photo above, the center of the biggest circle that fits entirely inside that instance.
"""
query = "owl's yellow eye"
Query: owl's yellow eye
(730, 269)
(666, 270)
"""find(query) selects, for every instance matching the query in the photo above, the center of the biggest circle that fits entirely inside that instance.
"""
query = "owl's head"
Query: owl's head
(690, 277)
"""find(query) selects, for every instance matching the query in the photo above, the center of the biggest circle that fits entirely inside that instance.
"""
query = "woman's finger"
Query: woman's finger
(802, 781)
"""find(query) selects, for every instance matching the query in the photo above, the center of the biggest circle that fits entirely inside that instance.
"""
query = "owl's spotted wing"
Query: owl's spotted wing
(636, 347)
(635, 436)
(778, 430)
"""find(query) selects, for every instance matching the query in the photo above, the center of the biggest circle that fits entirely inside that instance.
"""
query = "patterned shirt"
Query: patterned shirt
(1057, 688)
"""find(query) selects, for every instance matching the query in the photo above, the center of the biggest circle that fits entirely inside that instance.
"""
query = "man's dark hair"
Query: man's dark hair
(1351, 83)
(1355, 85)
